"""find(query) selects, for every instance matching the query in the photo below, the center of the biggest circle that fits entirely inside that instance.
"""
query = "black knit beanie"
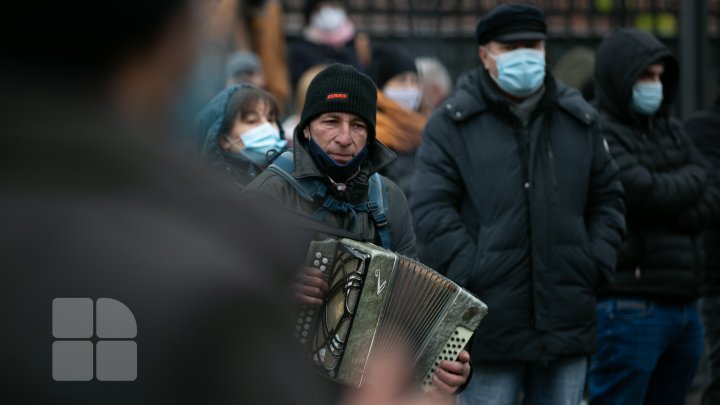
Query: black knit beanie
(389, 61)
(340, 88)
(310, 6)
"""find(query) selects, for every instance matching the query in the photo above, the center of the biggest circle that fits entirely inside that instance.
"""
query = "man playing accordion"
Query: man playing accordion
(332, 174)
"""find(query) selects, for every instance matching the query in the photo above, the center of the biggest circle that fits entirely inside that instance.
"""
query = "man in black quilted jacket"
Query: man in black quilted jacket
(649, 331)
(516, 198)
(704, 129)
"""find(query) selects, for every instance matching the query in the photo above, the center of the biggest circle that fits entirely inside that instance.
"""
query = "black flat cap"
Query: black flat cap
(512, 23)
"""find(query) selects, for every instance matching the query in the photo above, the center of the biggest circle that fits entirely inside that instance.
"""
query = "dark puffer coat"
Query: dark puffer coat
(527, 218)
(668, 193)
(704, 129)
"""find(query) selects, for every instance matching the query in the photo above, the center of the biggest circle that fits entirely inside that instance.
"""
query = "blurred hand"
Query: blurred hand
(311, 286)
(451, 375)
(388, 382)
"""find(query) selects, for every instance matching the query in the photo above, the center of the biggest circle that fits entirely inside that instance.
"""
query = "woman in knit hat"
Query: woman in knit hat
(399, 124)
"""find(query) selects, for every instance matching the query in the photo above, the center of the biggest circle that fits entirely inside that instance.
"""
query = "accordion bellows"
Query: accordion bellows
(380, 302)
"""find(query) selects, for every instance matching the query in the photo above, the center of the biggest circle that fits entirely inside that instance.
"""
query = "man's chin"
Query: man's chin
(341, 159)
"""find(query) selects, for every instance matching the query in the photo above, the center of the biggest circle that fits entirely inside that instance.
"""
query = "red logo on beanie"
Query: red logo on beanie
(335, 96)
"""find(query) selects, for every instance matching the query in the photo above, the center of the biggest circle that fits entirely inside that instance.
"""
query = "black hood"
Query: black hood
(620, 60)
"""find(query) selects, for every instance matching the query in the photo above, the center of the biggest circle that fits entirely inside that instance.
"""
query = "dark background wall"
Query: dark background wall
(445, 29)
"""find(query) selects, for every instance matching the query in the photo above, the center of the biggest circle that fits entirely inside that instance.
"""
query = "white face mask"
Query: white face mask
(329, 18)
(407, 97)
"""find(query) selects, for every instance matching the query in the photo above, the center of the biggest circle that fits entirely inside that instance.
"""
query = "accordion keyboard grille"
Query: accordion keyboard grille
(417, 299)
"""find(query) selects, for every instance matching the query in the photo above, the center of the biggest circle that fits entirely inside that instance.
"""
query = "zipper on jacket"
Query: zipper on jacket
(699, 261)
(547, 123)
(523, 140)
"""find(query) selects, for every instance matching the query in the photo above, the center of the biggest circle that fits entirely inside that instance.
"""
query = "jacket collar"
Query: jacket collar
(379, 157)
(476, 93)
(467, 100)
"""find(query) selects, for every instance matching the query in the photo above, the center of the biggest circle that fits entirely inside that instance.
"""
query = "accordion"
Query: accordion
(377, 299)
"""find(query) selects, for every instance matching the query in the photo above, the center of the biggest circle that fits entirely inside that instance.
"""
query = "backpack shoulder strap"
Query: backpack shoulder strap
(284, 162)
(377, 205)
(308, 189)
(313, 189)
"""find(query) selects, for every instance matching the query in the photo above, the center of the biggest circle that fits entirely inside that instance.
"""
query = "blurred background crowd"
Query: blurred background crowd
(234, 99)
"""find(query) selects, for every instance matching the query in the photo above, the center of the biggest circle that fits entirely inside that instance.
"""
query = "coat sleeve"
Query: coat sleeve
(402, 234)
(649, 192)
(605, 213)
(706, 208)
(267, 187)
(437, 189)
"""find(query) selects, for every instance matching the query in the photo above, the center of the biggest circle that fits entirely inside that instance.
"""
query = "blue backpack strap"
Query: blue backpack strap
(284, 162)
(377, 206)
(308, 189)
(314, 189)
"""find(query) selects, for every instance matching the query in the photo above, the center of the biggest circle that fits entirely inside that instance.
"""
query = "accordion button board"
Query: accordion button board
(454, 345)
(380, 303)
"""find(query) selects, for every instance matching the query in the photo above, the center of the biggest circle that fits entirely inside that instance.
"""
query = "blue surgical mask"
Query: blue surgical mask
(262, 139)
(520, 72)
(647, 97)
(258, 142)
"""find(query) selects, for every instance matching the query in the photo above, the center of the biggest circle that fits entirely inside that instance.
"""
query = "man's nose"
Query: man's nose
(343, 137)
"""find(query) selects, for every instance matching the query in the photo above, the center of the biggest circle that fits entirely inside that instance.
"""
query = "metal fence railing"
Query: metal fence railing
(446, 28)
(457, 18)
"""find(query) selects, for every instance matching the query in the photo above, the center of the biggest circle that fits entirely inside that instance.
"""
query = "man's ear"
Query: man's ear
(483, 56)
(306, 132)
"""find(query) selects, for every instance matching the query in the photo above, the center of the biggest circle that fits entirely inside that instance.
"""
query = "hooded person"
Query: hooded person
(399, 124)
(704, 129)
(241, 132)
(649, 330)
